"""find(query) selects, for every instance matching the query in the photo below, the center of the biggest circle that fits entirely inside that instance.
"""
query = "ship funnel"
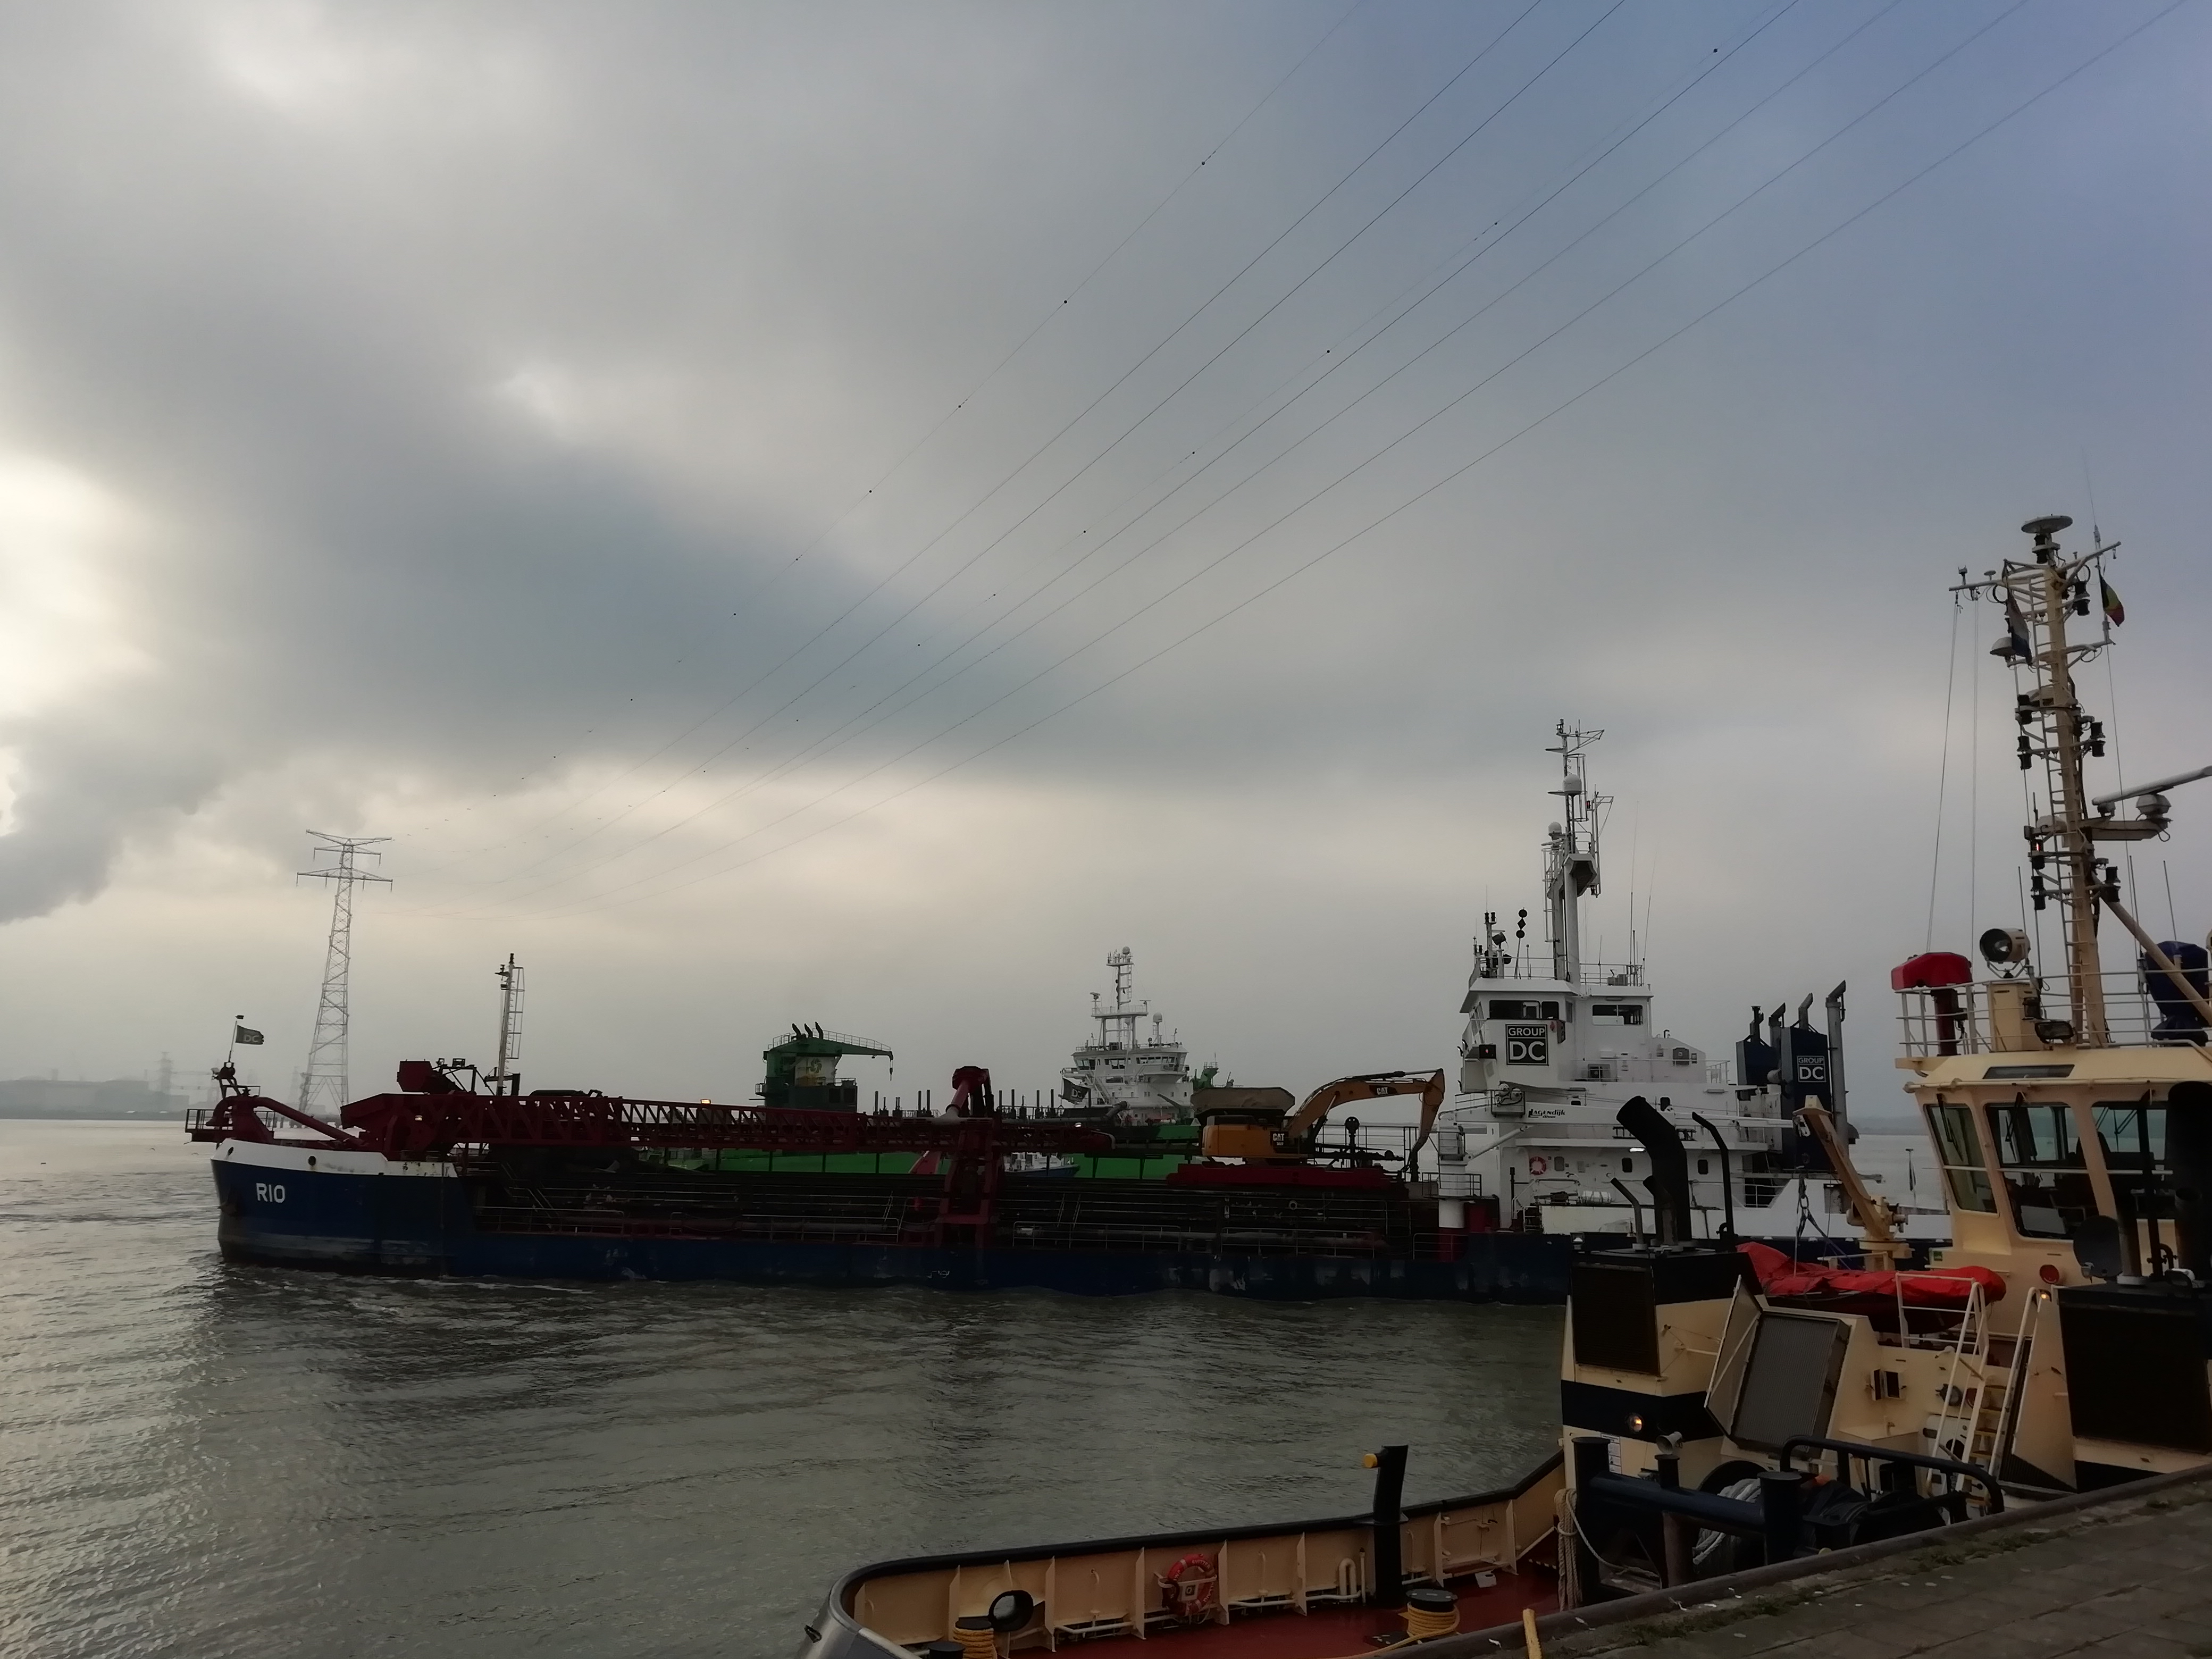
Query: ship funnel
(1670, 1180)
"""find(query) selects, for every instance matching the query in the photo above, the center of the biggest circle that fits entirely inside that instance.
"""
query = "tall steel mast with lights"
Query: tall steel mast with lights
(2038, 594)
(1570, 868)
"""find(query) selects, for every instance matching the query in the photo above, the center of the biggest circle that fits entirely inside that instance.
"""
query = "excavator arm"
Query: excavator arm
(1299, 1130)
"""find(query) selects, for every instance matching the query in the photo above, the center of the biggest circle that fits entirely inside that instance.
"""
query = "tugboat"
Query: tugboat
(1722, 1405)
(1554, 1044)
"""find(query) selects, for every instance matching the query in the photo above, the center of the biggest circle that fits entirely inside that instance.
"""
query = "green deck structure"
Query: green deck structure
(802, 1070)
(802, 1074)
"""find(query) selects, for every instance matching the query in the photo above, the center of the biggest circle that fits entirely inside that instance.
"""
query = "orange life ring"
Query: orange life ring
(1189, 1586)
(1537, 1166)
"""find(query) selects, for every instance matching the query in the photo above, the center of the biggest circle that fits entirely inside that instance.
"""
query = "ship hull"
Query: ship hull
(356, 1212)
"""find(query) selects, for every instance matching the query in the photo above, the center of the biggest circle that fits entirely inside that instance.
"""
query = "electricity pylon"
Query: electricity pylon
(325, 1082)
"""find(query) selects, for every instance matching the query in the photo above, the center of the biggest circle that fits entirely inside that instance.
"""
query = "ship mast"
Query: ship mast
(504, 1077)
(1570, 868)
(2038, 594)
(1117, 1026)
(2062, 721)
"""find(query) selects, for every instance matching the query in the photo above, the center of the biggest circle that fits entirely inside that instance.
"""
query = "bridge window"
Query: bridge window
(2132, 1135)
(1508, 1008)
(1618, 1013)
(1960, 1149)
(2044, 1174)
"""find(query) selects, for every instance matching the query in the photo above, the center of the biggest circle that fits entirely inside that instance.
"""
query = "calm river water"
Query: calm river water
(210, 1460)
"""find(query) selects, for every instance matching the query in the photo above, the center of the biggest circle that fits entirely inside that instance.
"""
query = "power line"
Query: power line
(959, 405)
(609, 900)
(1342, 477)
(968, 563)
(1046, 447)
(1337, 362)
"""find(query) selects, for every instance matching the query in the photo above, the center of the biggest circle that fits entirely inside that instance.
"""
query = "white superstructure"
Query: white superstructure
(1554, 1045)
(1119, 1072)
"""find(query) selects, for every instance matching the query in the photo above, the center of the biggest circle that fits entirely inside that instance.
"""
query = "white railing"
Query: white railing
(2022, 1016)
(1617, 975)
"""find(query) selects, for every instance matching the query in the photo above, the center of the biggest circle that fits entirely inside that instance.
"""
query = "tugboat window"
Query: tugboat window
(1959, 1149)
(2044, 1174)
(2132, 1134)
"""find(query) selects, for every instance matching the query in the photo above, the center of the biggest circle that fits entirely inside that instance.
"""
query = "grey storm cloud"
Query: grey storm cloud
(613, 446)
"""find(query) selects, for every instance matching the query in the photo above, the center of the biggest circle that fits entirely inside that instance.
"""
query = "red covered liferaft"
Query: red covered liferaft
(1780, 1276)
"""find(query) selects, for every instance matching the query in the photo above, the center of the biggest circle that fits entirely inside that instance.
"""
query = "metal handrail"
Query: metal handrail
(1938, 1021)
(1847, 1448)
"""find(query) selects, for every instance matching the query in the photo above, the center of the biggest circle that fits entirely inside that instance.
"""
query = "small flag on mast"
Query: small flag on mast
(2115, 612)
(245, 1034)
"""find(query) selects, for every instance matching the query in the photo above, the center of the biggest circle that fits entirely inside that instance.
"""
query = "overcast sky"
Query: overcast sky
(850, 513)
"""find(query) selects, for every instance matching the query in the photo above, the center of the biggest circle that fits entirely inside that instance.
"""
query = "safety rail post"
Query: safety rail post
(1781, 1512)
(2023, 1348)
(1673, 1536)
(1385, 1520)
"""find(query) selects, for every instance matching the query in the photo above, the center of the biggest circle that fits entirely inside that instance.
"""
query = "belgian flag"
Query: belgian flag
(2115, 612)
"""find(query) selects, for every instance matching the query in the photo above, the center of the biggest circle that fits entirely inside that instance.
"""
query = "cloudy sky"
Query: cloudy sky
(850, 513)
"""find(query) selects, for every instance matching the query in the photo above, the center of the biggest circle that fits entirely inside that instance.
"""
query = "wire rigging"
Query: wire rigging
(1335, 361)
(1943, 767)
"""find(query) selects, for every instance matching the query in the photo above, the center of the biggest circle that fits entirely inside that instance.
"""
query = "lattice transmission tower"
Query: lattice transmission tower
(325, 1082)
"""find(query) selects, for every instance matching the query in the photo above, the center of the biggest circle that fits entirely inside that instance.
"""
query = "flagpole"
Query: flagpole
(231, 1052)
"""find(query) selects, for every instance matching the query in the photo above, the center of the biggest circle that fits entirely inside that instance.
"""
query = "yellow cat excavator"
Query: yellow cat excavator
(1258, 1126)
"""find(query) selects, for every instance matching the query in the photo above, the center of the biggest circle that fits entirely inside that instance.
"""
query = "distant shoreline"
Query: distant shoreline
(17, 1113)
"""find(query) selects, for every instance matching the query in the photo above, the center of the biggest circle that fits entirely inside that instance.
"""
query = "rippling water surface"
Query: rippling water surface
(207, 1460)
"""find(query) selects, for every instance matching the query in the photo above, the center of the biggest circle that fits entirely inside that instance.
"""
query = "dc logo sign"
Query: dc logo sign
(1811, 1071)
(1527, 1045)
